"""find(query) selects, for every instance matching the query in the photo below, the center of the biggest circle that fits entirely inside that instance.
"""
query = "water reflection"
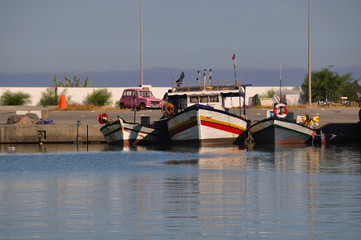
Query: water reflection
(226, 157)
(308, 159)
(63, 148)
(301, 185)
(231, 192)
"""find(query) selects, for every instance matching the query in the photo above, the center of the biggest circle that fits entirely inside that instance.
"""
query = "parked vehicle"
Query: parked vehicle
(140, 99)
(345, 101)
(324, 103)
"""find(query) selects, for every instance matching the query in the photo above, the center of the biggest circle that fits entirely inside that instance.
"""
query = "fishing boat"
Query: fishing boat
(198, 114)
(120, 132)
(205, 125)
(278, 130)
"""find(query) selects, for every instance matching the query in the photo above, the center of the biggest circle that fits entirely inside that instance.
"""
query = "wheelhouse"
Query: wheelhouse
(215, 99)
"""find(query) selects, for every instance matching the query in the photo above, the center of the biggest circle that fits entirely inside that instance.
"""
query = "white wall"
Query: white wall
(78, 94)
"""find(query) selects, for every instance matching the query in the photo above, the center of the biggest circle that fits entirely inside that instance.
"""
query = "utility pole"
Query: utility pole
(309, 54)
(141, 45)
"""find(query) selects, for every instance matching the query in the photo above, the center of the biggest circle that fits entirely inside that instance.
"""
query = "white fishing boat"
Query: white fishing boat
(278, 130)
(120, 132)
(204, 125)
(200, 115)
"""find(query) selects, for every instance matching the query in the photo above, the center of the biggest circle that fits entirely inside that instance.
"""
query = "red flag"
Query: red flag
(234, 56)
(281, 96)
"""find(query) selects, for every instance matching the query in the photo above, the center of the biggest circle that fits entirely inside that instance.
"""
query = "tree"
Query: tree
(68, 83)
(326, 83)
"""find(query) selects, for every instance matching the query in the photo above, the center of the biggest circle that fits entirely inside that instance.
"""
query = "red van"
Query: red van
(140, 98)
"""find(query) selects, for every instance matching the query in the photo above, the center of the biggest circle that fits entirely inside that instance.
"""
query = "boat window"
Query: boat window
(179, 102)
(203, 99)
(213, 98)
(193, 99)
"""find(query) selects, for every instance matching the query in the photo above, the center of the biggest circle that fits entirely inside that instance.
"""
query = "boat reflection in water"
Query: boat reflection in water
(298, 157)
(307, 159)
(295, 157)
(227, 157)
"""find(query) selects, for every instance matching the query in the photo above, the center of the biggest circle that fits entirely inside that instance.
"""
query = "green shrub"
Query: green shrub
(117, 106)
(18, 98)
(49, 98)
(99, 97)
(269, 94)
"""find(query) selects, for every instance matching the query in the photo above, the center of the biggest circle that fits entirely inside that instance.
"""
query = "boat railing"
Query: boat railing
(218, 85)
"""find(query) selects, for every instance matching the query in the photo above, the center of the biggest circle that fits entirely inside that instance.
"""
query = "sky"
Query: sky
(93, 35)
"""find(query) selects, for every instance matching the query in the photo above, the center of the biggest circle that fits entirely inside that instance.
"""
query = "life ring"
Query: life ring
(277, 110)
(102, 118)
(169, 109)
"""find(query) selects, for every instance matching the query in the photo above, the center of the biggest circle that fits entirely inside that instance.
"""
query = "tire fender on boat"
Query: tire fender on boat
(103, 118)
(277, 110)
(169, 109)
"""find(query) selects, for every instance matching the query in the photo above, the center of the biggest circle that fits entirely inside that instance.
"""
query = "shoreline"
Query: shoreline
(326, 114)
(83, 126)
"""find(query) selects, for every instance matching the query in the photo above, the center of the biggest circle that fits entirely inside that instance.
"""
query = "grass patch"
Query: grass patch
(89, 107)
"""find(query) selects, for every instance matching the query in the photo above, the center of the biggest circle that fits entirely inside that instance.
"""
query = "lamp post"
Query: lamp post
(309, 54)
(141, 45)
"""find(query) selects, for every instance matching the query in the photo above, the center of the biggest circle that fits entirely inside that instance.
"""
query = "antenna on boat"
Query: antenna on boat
(205, 76)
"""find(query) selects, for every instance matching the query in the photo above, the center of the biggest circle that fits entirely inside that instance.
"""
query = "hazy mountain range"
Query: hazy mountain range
(162, 77)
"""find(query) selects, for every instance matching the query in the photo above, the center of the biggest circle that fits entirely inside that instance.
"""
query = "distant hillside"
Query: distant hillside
(162, 77)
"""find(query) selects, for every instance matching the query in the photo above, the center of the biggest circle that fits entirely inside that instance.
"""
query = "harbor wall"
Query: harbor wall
(24, 134)
(51, 133)
(78, 95)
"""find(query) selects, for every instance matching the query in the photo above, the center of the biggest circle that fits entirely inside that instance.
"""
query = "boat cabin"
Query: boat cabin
(216, 96)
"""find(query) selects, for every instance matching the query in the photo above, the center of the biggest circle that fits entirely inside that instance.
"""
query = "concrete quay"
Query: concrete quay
(66, 130)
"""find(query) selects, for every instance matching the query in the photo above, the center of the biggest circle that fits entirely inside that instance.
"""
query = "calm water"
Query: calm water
(99, 192)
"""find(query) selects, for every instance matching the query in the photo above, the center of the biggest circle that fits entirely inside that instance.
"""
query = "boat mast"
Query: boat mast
(280, 80)
(234, 65)
(141, 45)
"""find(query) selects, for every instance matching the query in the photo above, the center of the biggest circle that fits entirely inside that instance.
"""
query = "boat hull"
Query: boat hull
(125, 134)
(280, 131)
(206, 126)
